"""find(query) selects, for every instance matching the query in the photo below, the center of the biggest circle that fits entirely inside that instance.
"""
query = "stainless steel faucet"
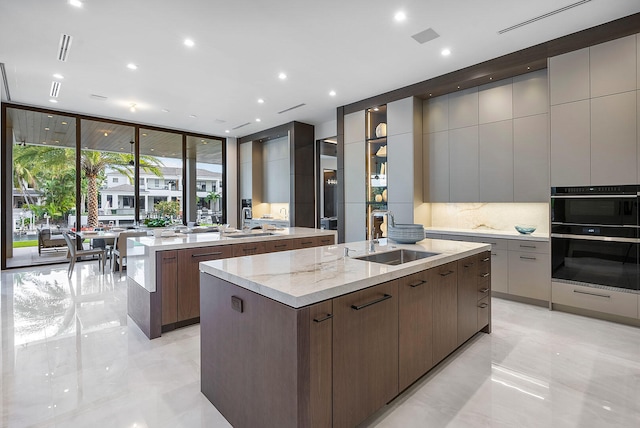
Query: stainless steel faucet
(374, 213)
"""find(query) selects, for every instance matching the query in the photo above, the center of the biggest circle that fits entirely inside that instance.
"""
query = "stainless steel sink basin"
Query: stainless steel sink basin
(396, 257)
(248, 235)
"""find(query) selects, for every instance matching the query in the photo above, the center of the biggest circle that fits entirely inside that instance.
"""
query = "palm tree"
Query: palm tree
(94, 163)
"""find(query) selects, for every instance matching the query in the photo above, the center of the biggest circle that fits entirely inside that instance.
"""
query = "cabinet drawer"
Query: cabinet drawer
(280, 245)
(299, 243)
(430, 235)
(483, 289)
(248, 249)
(529, 246)
(496, 243)
(484, 310)
(595, 299)
(529, 275)
(326, 240)
(484, 266)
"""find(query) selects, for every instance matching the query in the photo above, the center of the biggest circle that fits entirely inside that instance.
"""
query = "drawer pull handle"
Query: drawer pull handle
(447, 273)
(324, 318)
(494, 254)
(484, 290)
(468, 265)
(486, 259)
(216, 253)
(483, 305)
(484, 275)
(528, 258)
(592, 294)
(280, 246)
(527, 246)
(168, 258)
(382, 299)
(417, 283)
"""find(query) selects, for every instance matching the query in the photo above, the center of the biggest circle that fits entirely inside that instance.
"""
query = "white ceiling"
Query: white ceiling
(354, 47)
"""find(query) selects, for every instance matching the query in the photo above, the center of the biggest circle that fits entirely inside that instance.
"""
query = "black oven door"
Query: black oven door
(605, 261)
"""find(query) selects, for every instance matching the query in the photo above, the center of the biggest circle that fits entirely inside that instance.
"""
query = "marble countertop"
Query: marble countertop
(490, 233)
(303, 277)
(141, 251)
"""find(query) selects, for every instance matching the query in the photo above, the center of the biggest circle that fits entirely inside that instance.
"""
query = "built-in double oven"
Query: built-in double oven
(595, 236)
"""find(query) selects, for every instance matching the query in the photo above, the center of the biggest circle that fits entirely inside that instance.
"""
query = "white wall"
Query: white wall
(326, 130)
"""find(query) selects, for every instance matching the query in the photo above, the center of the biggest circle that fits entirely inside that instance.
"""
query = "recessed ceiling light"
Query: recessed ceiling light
(528, 68)
(64, 123)
(132, 109)
(226, 131)
(144, 135)
(152, 149)
(49, 116)
(282, 76)
(106, 134)
(332, 93)
(258, 119)
(193, 116)
(76, 3)
(132, 66)
(189, 42)
(260, 101)
(46, 129)
(58, 76)
(53, 101)
(446, 52)
(376, 109)
(430, 94)
(164, 110)
(400, 16)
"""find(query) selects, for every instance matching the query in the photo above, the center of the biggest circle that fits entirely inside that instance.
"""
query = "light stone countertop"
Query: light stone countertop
(303, 277)
(489, 233)
(141, 251)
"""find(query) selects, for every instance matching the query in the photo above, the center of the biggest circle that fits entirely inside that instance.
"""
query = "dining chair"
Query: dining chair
(75, 253)
(119, 252)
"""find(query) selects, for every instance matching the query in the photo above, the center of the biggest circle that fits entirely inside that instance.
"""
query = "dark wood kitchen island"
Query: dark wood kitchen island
(314, 338)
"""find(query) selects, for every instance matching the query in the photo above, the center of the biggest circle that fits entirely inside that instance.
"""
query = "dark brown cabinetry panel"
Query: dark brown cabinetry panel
(248, 249)
(445, 310)
(320, 364)
(281, 245)
(299, 243)
(326, 240)
(484, 292)
(167, 282)
(189, 277)
(415, 327)
(467, 298)
(365, 352)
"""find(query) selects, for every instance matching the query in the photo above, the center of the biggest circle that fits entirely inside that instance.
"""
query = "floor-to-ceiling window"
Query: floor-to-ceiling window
(70, 171)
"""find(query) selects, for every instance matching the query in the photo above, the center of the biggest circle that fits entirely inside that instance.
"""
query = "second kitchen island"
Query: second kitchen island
(314, 337)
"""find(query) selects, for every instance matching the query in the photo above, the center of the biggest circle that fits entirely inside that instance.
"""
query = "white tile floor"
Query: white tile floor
(71, 358)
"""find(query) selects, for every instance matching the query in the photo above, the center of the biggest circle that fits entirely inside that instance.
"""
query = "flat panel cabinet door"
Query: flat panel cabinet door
(444, 280)
(365, 353)
(279, 245)
(167, 281)
(467, 298)
(415, 327)
(189, 275)
(326, 240)
(310, 242)
(320, 363)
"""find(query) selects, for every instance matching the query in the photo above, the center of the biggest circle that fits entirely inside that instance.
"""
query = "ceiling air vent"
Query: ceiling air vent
(97, 97)
(240, 126)
(63, 48)
(55, 89)
(291, 108)
(546, 15)
(425, 36)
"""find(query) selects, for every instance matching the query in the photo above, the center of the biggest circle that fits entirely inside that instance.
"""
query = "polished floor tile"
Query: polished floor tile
(71, 358)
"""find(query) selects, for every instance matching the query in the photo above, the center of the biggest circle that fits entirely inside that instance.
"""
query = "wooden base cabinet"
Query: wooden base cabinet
(365, 353)
(445, 310)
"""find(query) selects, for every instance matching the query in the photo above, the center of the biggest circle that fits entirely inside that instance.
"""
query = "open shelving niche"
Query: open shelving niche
(376, 168)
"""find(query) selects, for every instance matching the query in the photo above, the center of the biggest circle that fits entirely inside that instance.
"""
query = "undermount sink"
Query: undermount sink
(396, 257)
(248, 235)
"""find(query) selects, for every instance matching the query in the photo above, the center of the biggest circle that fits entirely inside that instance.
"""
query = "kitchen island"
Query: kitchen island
(163, 287)
(315, 337)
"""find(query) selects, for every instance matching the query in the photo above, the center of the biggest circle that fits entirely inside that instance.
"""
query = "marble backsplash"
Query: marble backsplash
(490, 216)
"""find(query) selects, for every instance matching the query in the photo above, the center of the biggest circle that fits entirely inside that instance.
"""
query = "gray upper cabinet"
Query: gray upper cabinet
(531, 159)
(276, 171)
(530, 94)
(496, 161)
(354, 128)
(435, 114)
(613, 67)
(570, 144)
(569, 77)
(463, 157)
(495, 101)
(463, 108)
(435, 152)
(613, 139)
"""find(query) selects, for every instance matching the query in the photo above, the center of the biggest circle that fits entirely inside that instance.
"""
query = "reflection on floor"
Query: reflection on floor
(71, 358)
